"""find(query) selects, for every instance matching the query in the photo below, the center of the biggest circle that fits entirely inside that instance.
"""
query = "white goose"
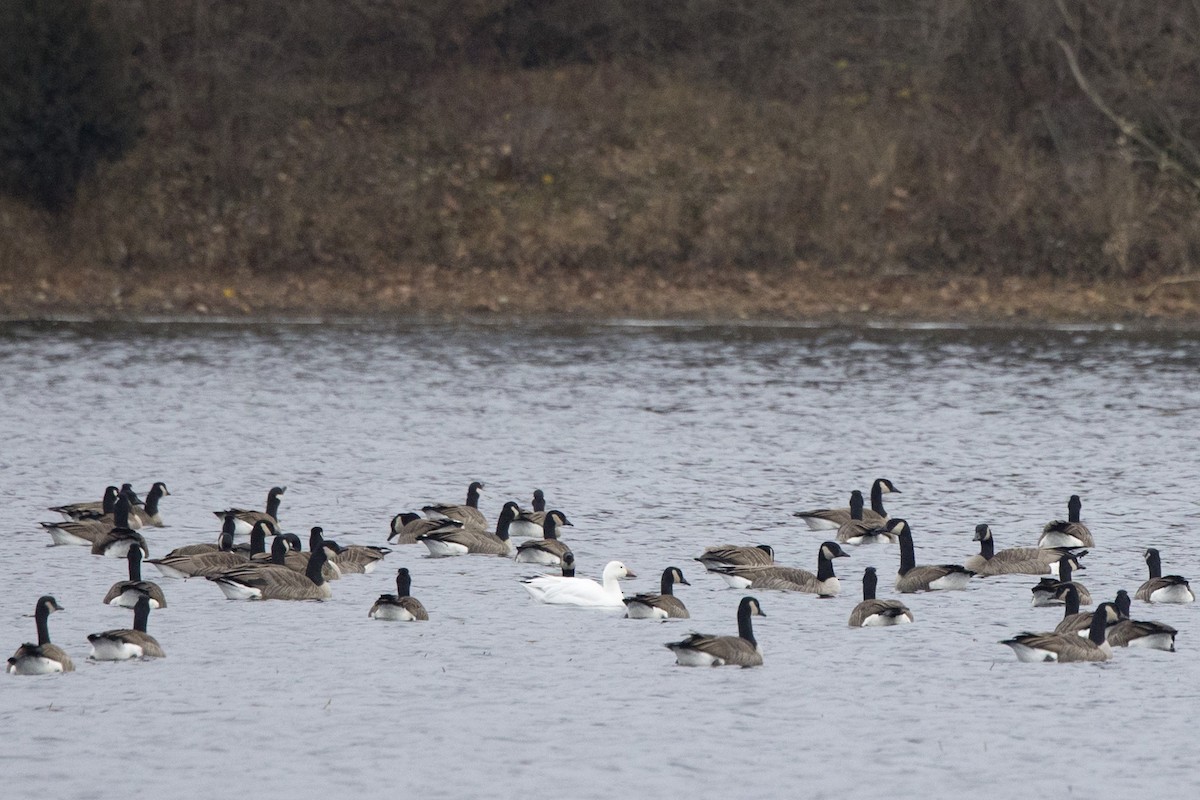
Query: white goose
(585, 592)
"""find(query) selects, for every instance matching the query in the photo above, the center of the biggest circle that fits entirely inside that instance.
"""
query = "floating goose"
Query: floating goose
(1014, 560)
(825, 583)
(88, 531)
(399, 606)
(549, 549)
(122, 644)
(1048, 590)
(297, 560)
(358, 559)
(703, 650)
(663, 605)
(148, 513)
(1133, 633)
(468, 514)
(584, 592)
(127, 593)
(858, 531)
(245, 518)
(1065, 647)
(44, 657)
(227, 529)
(924, 578)
(830, 519)
(529, 522)
(872, 613)
(89, 510)
(200, 564)
(407, 527)
(270, 582)
(1069, 533)
(729, 555)
(453, 539)
(1163, 588)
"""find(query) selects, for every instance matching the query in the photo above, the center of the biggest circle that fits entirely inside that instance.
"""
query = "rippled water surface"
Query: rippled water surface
(655, 441)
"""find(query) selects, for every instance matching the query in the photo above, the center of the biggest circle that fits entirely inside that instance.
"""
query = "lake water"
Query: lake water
(656, 441)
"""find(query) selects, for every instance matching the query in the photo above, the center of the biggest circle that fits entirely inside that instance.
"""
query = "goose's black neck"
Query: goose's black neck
(507, 515)
(1154, 563)
(1099, 624)
(225, 541)
(110, 500)
(869, 582)
(134, 556)
(824, 565)
(539, 500)
(316, 560)
(42, 616)
(987, 547)
(121, 513)
(1123, 604)
(258, 540)
(877, 498)
(473, 495)
(745, 629)
(403, 583)
(279, 551)
(1071, 601)
(1064, 569)
(273, 500)
(141, 614)
(856, 505)
(1073, 508)
(152, 497)
(668, 582)
(908, 557)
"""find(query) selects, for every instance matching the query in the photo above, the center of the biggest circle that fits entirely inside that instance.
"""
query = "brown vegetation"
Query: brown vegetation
(673, 147)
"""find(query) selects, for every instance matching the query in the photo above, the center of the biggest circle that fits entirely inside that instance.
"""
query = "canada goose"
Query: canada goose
(88, 531)
(549, 549)
(126, 593)
(406, 527)
(227, 528)
(703, 650)
(148, 513)
(200, 564)
(529, 522)
(454, 539)
(116, 541)
(1133, 633)
(468, 513)
(358, 559)
(830, 519)
(258, 539)
(44, 657)
(245, 518)
(825, 583)
(1014, 560)
(1048, 590)
(1074, 620)
(858, 531)
(103, 513)
(1063, 647)
(584, 592)
(1071, 533)
(122, 644)
(89, 510)
(872, 613)
(399, 606)
(663, 605)
(924, 578)
(568, 564)
(253, 582)
(729, 555)
(1163, 588)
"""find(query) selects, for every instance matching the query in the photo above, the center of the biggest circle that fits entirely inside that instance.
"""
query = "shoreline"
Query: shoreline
(806, 296)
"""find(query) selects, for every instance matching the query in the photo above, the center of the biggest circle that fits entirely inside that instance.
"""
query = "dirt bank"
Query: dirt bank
(802, 294)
